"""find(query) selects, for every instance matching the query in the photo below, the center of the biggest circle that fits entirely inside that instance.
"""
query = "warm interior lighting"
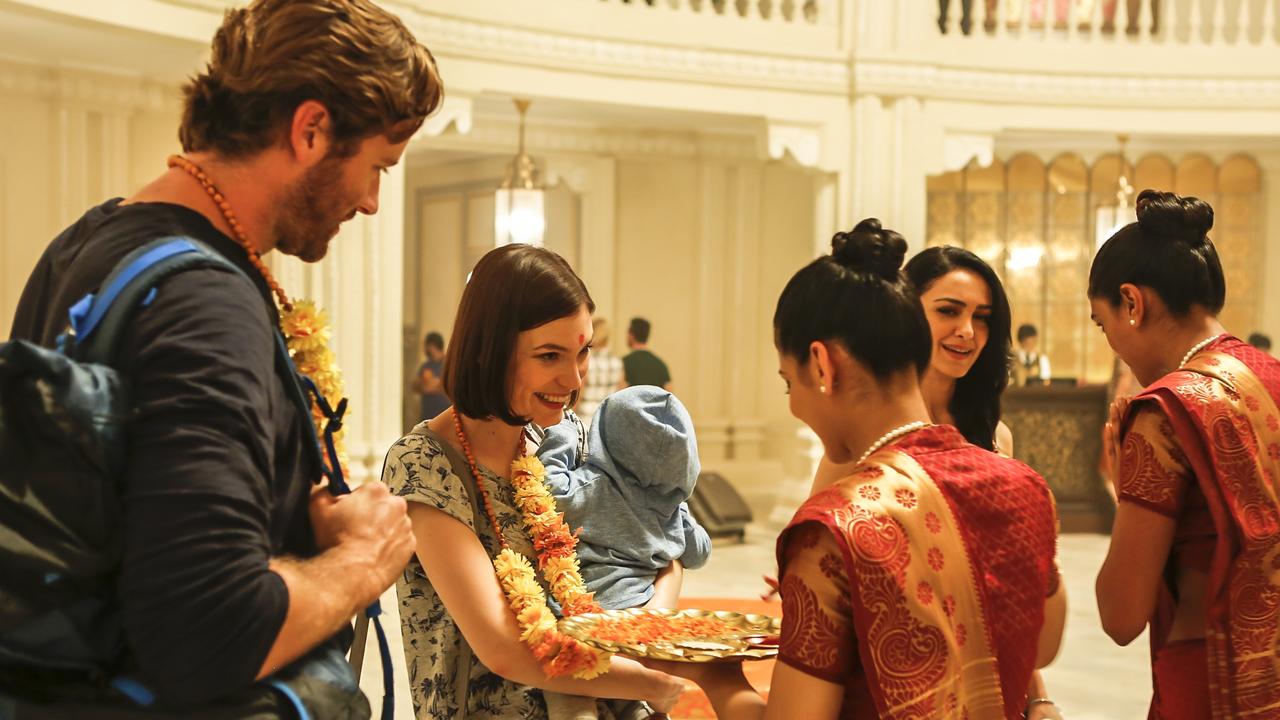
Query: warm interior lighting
(1024, 258)
(519, 215)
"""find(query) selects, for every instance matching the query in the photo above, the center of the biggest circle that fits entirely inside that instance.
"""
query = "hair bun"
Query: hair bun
(1166, 215)
(871, 249)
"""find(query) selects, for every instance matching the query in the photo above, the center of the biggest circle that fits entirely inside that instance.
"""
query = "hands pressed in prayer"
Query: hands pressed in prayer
(1111, 435)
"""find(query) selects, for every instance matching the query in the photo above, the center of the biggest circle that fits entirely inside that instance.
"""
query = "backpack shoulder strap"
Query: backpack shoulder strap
(98, 320)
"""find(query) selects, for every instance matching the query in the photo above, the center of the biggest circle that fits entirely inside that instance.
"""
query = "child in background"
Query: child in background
(627, 493)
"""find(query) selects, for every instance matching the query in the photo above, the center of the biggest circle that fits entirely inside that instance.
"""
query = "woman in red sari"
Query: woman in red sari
(1195, 550)
(970, 323)
(892, 578)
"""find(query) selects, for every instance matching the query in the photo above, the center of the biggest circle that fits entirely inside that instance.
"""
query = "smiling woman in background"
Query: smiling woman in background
(969, 321)
(969, 317)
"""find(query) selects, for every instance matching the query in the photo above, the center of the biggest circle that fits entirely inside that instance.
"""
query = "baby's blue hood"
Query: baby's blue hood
(644, 432)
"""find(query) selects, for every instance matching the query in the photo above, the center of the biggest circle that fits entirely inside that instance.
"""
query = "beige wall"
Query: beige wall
(661, 259)
(26, 188)
(70, 140)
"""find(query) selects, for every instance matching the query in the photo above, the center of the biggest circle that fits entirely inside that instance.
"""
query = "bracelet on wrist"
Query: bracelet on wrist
(1032, 702)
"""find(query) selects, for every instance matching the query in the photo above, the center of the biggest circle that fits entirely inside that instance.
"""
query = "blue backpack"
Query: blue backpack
(64, 414)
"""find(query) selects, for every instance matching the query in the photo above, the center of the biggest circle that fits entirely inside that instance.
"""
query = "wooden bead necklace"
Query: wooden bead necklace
(237, 232)
(475, 473)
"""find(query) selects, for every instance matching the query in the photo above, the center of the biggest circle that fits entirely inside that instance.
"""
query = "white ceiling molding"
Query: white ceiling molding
(456, 111)
(214, 6)
(486, 41)
(960, 148)
(89, 88)
(498, 135)
(802, 143)
(1129, 91)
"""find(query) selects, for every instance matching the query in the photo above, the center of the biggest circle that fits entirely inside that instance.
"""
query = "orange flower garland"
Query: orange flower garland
(556, 547)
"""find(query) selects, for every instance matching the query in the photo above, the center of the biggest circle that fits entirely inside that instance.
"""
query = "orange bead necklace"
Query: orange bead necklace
(475, 473)
(237, 232)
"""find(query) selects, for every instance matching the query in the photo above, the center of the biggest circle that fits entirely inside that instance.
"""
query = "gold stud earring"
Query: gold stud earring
(1132, 321)
(822, 389)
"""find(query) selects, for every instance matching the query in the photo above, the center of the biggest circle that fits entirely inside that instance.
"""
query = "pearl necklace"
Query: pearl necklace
(890, 436)
(1197, 348)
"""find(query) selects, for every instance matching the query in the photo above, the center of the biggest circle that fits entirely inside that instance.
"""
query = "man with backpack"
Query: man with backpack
(234, 567)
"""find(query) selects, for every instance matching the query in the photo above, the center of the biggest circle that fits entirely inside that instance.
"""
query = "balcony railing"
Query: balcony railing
(787, 11)
(1211, 22)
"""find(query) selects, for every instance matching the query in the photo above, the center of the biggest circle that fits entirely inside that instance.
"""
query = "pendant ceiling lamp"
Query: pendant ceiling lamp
(519, 207)
(1118, 212)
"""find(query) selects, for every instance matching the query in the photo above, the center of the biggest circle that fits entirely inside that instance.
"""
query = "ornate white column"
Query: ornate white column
(92, 115)
(714, 263)
(594, 179)
(807, 452)
(890, 164)
(745, 313)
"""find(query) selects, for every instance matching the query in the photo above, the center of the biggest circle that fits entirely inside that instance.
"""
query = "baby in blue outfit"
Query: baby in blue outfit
(628, 495)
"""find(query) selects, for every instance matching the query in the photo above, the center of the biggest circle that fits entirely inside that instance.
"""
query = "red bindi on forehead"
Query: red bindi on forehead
(582, 339)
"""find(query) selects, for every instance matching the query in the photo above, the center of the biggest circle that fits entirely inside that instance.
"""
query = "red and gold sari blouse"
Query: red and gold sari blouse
(889, 578)
(1202, 446)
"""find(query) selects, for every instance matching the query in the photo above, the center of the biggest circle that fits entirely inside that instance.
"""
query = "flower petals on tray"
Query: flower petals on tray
(686, 635)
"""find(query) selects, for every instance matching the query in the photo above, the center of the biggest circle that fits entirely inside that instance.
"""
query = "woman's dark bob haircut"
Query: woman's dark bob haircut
(1167, 250)
(858, 296)
(512, 289)
(975, 404)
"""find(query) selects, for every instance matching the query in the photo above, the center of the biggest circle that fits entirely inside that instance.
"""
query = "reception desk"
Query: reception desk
(1058, 431)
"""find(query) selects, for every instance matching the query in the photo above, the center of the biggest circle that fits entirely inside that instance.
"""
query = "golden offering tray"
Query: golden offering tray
(749, 636)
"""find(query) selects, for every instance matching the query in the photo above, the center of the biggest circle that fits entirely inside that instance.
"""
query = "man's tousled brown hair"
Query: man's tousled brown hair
(358, 60)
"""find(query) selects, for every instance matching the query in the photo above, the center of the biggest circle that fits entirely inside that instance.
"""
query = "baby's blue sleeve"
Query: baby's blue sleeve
(559, 455)
(697, 543)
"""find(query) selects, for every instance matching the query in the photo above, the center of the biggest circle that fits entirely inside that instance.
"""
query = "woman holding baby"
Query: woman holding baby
(518, 353)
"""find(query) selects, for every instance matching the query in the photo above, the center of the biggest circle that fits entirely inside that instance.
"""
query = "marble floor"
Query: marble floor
(1092, 678)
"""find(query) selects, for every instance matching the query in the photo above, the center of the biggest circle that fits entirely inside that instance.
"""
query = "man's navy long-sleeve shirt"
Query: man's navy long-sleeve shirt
(218, 477)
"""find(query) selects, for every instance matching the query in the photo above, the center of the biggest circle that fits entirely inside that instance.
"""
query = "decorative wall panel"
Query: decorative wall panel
(1035, 224)
(1058, 431)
